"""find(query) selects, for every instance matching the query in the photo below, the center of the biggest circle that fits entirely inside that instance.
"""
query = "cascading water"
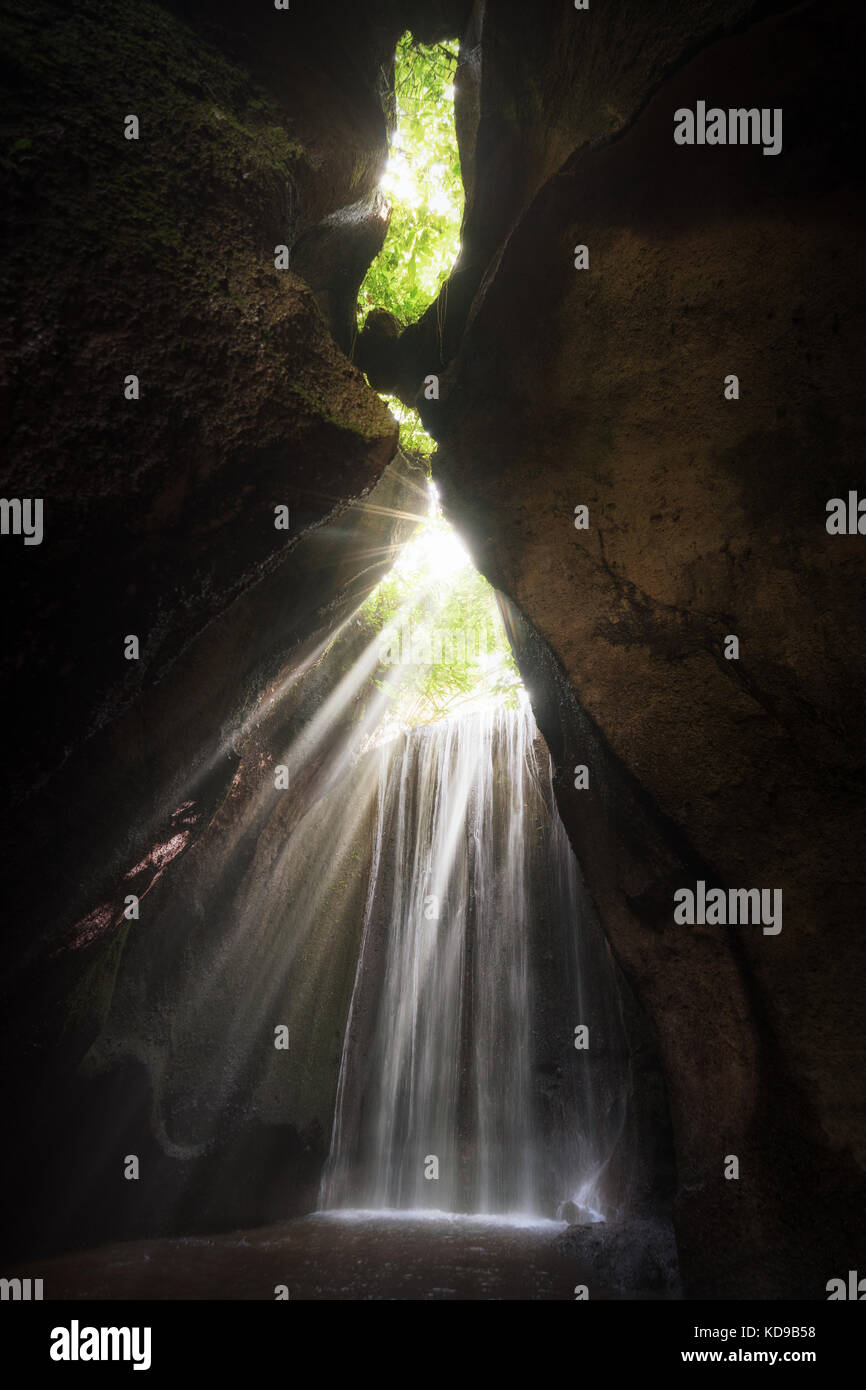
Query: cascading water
(478, 960)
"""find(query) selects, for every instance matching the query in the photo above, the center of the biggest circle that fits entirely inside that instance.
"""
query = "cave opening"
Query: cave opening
(479, 951)
(485, 1063)
(421, 198)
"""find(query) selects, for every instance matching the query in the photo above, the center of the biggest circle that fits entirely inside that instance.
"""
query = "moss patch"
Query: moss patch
(208, 134)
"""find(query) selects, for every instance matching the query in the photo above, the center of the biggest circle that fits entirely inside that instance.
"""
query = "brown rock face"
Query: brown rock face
(604, 388)
(155, 257)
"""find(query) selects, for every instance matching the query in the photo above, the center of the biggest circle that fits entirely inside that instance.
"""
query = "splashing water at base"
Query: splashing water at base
(476, 964)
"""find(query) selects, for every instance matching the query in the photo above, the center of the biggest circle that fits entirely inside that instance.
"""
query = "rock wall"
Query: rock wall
(155, 258)
(604, 387)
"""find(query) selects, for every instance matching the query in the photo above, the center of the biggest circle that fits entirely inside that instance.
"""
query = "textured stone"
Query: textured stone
(605, 388)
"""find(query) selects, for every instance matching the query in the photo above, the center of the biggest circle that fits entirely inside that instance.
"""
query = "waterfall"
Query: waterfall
(476, 962)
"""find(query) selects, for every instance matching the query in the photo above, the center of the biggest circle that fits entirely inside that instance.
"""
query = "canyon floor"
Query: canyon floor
(359, 1257)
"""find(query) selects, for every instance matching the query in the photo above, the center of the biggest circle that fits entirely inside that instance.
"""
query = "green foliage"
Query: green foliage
(441, 637)
(423, 188)
(422, 183)
(414, 439)
(210, 137)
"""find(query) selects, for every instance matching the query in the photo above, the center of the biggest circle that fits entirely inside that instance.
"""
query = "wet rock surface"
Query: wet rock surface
(326, 1257)
(605, 388)
(628, 1257)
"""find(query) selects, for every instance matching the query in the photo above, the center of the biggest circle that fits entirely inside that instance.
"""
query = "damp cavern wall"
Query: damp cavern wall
(559, 388)
(707, 518)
